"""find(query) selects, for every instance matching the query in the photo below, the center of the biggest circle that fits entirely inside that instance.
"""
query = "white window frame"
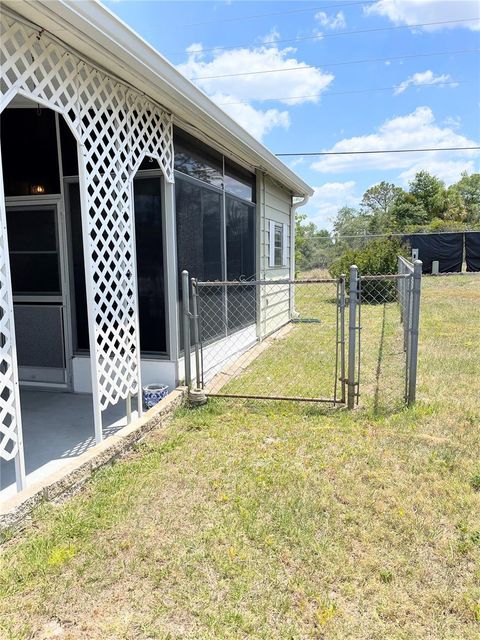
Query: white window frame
(284, 230)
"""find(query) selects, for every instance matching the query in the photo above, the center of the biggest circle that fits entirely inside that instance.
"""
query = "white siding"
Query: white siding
(275, 207)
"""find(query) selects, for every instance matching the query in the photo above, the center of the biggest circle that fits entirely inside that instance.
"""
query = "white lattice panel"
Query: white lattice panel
(116, 127)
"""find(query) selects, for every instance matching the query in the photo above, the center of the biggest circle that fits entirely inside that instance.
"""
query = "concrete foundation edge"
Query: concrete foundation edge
(15, 511)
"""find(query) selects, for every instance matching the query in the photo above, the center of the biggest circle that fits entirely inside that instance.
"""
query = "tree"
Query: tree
(408, 211)
(430, 192)
(312, 245)
(380, 198)
(469, 189)
(350, 222)
(456, 209)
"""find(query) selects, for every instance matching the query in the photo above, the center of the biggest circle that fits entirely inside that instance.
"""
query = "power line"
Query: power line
(342, 63)
(332, 35)
(277, 13)
(354, 153)
(343, 93)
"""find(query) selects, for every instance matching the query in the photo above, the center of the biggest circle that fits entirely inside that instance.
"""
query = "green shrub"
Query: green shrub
(376, 258)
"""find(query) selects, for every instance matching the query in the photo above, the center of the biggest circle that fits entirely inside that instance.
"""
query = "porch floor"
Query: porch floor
(56, 427)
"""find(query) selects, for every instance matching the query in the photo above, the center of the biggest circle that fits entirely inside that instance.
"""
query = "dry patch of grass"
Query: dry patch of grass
(274, 520)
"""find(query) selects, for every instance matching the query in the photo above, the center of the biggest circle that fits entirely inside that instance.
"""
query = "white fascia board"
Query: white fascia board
(94, 31)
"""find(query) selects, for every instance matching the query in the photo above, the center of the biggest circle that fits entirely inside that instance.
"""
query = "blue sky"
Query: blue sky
(424, 101)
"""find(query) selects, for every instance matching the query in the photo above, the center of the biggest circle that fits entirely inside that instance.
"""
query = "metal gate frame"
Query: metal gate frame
(408, 279)
(192, 329)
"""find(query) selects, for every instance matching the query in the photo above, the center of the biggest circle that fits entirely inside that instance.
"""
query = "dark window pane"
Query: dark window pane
(32, 229)
(239, 182)
(149, 239)
(29, 151)
(198, 213)
(240, 219)
(199, 244)
(278, 241)
(197, 159)
(79, 290)
(68, 146)
(35, 273)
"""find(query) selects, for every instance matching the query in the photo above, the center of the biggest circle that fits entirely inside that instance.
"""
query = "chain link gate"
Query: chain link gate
(384, 312)
(266, 339)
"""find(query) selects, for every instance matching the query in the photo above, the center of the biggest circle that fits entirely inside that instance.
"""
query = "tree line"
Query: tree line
(426, 206)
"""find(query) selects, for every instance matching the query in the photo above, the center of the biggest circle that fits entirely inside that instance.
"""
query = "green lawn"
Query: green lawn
(272, 520)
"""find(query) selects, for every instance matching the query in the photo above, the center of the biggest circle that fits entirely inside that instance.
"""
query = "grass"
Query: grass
(279, 520)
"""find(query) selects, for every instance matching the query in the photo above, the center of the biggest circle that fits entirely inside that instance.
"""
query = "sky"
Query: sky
(340, 76)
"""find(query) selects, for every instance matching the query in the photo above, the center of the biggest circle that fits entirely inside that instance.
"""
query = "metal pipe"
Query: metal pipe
(343, 299)
(186, 328)
(415, 302)
(196, 334)
(352, 333)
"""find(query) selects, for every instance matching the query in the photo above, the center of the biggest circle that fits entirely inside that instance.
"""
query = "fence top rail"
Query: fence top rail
(386, 276)
(406, 262)
(451, 273)
(248, 283)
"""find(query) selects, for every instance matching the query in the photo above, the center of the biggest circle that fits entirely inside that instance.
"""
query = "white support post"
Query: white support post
(15, 407)
(137, 313)
(92, 328)
(128, 404)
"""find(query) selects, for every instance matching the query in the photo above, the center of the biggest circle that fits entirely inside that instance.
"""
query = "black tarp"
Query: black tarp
(472, 250)
(447, 248)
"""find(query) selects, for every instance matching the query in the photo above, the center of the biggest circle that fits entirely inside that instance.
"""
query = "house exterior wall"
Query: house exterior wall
(276, 207)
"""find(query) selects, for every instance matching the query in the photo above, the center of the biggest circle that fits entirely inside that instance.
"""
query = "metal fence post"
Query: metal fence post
(196, 334)
(342, 337)
(352, 334)
(415, 322)
(186, 329)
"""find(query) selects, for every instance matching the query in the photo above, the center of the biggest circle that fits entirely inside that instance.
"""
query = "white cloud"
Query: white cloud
(447, 170)
(416, 130)
(423, 77)
(327, 199)
(286, 85)
(331, 22)
(255, 121)
(411, 12)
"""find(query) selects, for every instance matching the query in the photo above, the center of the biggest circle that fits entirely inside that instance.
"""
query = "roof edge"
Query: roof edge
(98, 34)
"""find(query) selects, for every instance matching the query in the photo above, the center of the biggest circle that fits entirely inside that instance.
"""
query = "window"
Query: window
(29, 148)
(34, 253)
(215, 214)
(197, 160)
(151, 285)
(278, 244)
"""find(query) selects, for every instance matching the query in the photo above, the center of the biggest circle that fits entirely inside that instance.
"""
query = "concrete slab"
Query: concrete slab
(57, 427)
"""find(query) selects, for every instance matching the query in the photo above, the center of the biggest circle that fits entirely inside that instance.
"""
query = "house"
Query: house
(117, 174)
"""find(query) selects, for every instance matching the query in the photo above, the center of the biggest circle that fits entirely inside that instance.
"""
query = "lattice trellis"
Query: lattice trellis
(116, 127)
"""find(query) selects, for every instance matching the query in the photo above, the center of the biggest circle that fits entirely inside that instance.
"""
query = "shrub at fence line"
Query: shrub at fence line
(377, 258)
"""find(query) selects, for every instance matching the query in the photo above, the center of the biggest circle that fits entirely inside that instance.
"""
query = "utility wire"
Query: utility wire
(277, 13)
(354, 153)
(331, 35)
(342, 63)
(343, 93)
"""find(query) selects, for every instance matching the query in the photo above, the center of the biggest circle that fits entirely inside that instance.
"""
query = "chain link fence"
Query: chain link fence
(289, 339)
(271, 339)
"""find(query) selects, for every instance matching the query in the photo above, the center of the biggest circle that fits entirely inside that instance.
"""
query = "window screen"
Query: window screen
(150, 272)
(34, 258)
